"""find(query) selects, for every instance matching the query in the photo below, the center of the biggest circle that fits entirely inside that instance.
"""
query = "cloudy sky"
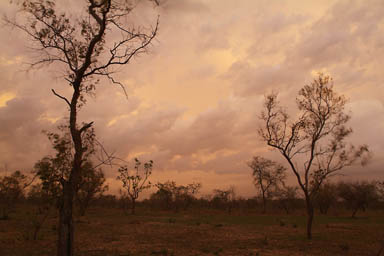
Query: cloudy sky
(195, 98)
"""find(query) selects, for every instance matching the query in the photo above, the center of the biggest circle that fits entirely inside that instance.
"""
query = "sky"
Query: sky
(195, 98)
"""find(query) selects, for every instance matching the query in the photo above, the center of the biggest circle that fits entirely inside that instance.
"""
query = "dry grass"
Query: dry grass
(110, 232)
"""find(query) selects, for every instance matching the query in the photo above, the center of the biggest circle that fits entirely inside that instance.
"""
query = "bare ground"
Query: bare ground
(110, 232)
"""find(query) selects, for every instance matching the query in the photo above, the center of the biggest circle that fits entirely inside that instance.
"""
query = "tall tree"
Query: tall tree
(80, 45)
(316, 139)
(267, 175)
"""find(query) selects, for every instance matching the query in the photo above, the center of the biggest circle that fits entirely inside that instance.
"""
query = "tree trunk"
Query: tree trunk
(354, 212)
(83, 206)
(285, 207)
(82, 210)
(39, 224)
(133, 206)
(264, 203)
(310, 215)
(65, 245)
(66, 231)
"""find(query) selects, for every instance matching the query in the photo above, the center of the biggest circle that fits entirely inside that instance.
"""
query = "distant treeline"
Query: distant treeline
(332, 197)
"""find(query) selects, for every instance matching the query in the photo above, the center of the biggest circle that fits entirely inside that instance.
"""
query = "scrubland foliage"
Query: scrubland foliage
(11, 191)
(171, 196)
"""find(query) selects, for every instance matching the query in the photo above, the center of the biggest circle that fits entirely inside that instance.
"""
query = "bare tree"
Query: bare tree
(134, 183)
(267, 175)
(316, 139)
(79, 44)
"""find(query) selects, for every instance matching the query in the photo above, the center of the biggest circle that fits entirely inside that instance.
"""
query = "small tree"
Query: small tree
(11, 191)
(173, 196)
(287, 197)
(357, 195)
(316, 138)
(52, 170)
(267, 175)
(135, 182)
(225, 198)
(45, 201)
(165, 194)
(92, 184)
(325, 197)
(185, 195)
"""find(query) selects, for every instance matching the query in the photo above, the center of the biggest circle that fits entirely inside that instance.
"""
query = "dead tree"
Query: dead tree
(79, 45)
(316, 139)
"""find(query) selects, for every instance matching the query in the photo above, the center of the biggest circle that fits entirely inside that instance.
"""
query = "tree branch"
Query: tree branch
(85, 127)
(61, 97)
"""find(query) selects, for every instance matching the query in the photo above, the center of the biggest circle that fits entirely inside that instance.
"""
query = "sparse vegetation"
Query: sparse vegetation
(106, 231)
(11, 191)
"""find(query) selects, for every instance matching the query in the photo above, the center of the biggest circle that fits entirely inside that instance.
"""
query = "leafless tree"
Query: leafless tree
(135, 182)
(267, 175)
(79, 44)
(316, 139)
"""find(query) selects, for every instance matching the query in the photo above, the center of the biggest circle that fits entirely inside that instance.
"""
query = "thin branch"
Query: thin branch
(61, 97)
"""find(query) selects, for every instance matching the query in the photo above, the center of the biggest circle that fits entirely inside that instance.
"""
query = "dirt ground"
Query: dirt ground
(110, 232)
